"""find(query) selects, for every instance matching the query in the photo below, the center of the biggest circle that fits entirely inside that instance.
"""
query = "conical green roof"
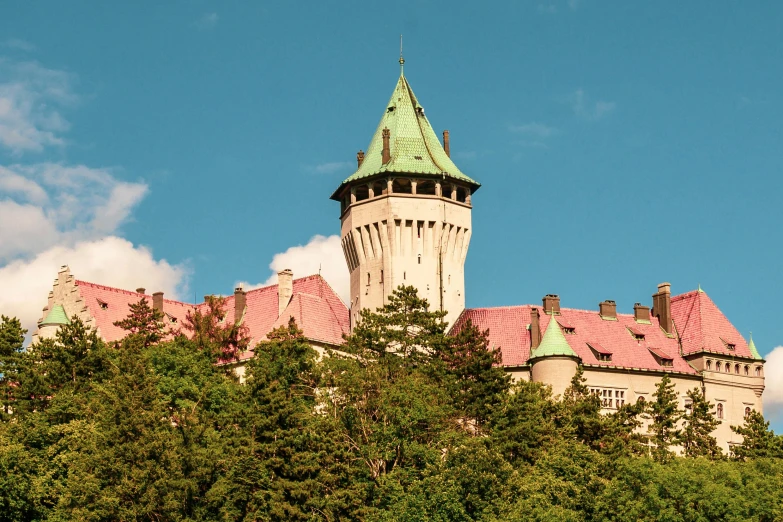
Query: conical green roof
(553, 343)
(413, 145)
(56, 315)
(752, 347)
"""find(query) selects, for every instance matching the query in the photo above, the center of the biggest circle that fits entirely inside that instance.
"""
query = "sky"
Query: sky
(191, 146)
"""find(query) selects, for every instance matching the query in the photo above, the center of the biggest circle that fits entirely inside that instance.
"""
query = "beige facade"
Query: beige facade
(393, 239)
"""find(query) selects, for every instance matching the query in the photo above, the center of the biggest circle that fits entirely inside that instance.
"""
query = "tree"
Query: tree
(475, 380)
(699, 423)
(209, 331)
(145, 322)
(11, 346)
(664, 416)
(581, 416)
(758, 440)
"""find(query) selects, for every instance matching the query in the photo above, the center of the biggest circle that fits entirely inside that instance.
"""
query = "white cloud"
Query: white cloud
(111, 261)
(773, 373)
(207, 21)
(332, 167)
(45, 204)
(534, 129)
(586, 108)
(321, 253)
(17, 43)
(29, 97)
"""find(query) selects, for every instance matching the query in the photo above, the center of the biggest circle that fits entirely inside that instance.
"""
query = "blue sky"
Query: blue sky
(619, 144)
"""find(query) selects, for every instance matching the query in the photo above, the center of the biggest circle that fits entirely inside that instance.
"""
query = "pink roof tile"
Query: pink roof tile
(508, 329)
(703, 327)
(317, 309)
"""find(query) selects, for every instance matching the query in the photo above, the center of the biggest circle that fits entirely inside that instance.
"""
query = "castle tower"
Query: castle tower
(405, 212)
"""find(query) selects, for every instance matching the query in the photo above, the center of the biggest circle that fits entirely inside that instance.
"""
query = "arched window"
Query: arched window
(362, 192)
(720, 410)
(717, 366)
(747, 411)
(709, 364)
(402, 186)
(747, 370)
(758, 371)
(640, 400)
(728, 367)
(419, 258)
(462, 194)
(426, 187)
(736, 368)
(379, 188)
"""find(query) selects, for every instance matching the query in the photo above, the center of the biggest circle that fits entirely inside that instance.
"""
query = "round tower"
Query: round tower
(405, 213)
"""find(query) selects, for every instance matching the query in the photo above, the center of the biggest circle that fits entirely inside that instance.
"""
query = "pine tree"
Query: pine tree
(210, 331)
(757, 439)
(664, 416)
(11, 355)
(145, 322)
(699, 422)
(475, 380)
(581, 417)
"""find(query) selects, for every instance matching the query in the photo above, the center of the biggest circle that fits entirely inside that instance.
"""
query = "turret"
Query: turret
(406, 213)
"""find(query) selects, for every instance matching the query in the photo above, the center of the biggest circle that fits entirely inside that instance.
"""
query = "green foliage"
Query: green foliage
(208, 329)
(406, 424)
(145, 322)
(664, 416)
(699, 422)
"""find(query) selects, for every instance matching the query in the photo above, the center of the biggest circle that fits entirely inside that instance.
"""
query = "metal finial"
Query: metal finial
(402, 60)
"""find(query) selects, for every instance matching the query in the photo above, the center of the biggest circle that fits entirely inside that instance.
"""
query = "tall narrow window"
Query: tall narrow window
(720, 410)
(717, 366)
(419, 258)
(758, 371)
(747, 412)
(368, 278)
(747, 370)
(381, 276)
(709, 364)
(736, 369)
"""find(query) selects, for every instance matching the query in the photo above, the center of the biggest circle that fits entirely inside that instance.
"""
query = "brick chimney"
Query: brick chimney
(240, 301)
(385, 153)
(608, 309)
(157, 301)
(551, 303)
(641, 313)
(662, 306)
(535, 329)
(446, 143)
(141, 290)
(285, 289)
(359, 158)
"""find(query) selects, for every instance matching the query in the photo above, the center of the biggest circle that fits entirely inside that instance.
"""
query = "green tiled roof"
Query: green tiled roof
(56, 315)
(414, 148)
(553, 343)
(752, 347)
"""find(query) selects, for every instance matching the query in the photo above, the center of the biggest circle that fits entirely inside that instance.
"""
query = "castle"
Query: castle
(406, 220)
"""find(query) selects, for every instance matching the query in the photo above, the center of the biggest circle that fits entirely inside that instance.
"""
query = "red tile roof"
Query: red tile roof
(508, 329)
(703, 327)
(317, 309)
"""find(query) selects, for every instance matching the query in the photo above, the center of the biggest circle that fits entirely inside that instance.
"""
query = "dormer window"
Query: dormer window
(601, 353)
(731, 346)
(637, 334)
(171, 318)
(103, 304)
(663, 358)
(567, 327)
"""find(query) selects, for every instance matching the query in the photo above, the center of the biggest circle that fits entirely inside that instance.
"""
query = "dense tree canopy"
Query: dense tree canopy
(407, 423)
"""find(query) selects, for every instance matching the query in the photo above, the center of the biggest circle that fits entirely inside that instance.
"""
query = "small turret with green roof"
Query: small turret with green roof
(55, 317)
(752, 347)
(553, 343)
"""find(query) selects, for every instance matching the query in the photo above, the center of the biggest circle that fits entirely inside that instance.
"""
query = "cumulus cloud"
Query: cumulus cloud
(30, 98)
(585, 108)
(321, 253)
(111, 261)
(45, 204)
(773, 370)
(18, 43)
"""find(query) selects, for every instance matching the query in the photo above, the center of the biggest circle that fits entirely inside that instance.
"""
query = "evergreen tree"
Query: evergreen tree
(664, 416)
(210, 332)
(699, 422)
(11, 354)
(475, 378)
(581, 416)
(145, 322)
(757, 439)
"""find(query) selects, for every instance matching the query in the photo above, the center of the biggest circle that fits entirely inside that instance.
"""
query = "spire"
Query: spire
(553, 342)
(414, 146)
(56, 316)
(700, 291)
(752, 347)
(402, 60)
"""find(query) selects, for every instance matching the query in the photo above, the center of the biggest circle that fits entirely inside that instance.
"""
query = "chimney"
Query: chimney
(608, 309)
(157, 301)
(359, 158)
(446, 143)
(551, 303)
(141, 290)
(641, 313)
(285, 289)
(535, 329)
(662, 306)
(240, 300)
(385, 153)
